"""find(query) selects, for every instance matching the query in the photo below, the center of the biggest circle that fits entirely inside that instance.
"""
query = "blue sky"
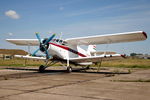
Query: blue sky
(75, 18)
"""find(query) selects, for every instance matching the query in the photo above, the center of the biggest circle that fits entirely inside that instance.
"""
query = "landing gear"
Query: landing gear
(88, 67)
(42, 68)
(47, 64)
(69, 69)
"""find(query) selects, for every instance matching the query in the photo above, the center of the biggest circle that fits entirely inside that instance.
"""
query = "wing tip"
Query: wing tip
(8, 40)
(145, 34)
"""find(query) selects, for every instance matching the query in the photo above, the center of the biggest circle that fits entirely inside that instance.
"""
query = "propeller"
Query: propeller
(43, 45)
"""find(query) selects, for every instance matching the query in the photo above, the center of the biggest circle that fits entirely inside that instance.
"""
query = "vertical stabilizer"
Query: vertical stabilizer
(92, 49)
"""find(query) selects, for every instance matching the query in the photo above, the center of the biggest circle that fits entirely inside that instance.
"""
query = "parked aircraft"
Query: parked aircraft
(68, 51)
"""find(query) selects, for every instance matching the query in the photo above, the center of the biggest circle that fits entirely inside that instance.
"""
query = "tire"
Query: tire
(41, 68)
(69, 69)
(88, 67)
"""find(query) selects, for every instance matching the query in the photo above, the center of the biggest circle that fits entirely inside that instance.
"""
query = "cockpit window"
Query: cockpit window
(64, 43)
(54, 40)
(59, 41)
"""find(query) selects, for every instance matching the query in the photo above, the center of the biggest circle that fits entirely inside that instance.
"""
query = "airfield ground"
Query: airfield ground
(25, 83)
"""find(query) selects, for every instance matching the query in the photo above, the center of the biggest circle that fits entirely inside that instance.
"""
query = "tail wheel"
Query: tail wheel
(69, 69)
(41, 68)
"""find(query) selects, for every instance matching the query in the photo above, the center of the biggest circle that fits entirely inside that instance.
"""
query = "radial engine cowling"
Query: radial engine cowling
(43, 46)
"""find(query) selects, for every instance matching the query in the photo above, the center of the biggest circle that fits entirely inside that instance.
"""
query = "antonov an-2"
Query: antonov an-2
(68, 51)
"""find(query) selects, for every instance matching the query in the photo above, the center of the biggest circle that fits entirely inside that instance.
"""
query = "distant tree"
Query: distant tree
(139, 54)
(133, 54)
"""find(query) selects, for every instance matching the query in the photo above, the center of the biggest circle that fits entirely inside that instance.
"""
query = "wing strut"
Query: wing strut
(107, 47)
(29, 52)
(99, 65)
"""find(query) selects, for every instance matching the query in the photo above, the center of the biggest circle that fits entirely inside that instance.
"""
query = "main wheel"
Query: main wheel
(69, 69)
(41, 68)
(88, 67)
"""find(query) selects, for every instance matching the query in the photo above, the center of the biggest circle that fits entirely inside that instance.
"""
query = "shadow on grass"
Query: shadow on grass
(37, 70)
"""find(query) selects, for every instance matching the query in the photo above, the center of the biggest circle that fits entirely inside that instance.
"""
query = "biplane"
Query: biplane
(69, 51)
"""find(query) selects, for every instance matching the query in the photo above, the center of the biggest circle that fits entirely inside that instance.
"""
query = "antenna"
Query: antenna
(60, 36)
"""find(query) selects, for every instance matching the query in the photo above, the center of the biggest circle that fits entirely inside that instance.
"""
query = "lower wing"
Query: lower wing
(80, 60)
(97, 58)
(30, 57)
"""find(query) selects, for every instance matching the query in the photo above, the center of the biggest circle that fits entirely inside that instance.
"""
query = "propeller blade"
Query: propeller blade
(38, 37)
(43, 45)
(49, 39)
(47, 55)
(35, 52)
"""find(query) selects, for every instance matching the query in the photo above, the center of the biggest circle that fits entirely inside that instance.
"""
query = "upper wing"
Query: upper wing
(30, 42)
(97, 58)
(110, 38)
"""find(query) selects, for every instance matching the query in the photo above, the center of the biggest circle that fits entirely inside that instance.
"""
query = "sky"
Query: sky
(75, 18)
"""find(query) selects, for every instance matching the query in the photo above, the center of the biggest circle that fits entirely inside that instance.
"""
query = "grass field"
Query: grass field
(128, 63)
(125, 63)
(20, 62)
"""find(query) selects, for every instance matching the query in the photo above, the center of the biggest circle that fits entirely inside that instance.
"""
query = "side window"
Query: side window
(54, 40)
(64, 43)
(57, 40)
(60, 41)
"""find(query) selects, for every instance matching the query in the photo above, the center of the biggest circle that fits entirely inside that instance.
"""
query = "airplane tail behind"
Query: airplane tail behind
(91, 48)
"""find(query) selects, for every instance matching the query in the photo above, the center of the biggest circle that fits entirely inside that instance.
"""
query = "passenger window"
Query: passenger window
(54, 40)
(60, 41)
(64, 43)
(57, 40)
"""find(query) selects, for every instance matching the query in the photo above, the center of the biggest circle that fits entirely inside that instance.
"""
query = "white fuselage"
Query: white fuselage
(65, 51)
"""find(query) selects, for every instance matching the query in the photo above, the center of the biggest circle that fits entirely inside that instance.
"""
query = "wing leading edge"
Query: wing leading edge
(109, 38)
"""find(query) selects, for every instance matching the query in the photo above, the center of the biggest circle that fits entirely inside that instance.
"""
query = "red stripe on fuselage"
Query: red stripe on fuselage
(69, 49)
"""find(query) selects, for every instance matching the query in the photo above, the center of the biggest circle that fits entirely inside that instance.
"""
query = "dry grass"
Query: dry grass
(127, 63)
(13, 52)
(20, 62)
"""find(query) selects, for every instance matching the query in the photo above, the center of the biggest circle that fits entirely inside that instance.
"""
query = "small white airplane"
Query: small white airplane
(68, 51)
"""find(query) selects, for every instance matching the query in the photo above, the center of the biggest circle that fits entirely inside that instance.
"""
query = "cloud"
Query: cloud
(10, 34)
(95, 10)
(12, 14)
(102, 10)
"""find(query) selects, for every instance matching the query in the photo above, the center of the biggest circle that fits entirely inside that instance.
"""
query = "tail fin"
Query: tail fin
(91, 48)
